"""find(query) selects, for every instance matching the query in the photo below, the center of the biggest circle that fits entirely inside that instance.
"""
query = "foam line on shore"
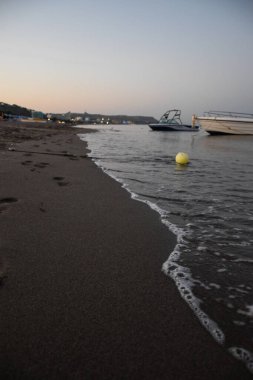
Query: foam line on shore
(180, 275)
(244, 355)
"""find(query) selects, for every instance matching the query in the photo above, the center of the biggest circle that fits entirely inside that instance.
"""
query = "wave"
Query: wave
(179, 274)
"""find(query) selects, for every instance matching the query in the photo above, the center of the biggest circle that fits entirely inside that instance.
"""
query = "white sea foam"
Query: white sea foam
(222, 270)
(239, 323)
(217, 286)
(185, 283)
(248, 312)
(244, 355)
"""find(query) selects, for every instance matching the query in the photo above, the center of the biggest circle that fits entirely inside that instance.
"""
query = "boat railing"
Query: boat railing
(228, 114)
(171, 117)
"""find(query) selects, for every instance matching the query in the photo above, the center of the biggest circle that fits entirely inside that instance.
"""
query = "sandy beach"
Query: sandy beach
(82, 292)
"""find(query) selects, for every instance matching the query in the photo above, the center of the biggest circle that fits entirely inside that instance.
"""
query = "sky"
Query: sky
(135, 57)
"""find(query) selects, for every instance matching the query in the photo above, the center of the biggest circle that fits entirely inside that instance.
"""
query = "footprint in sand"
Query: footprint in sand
(60, 181)
(27, 162)
(8, 200)
(42, 208)
(3, 270)
(5, 201)
(41, 165)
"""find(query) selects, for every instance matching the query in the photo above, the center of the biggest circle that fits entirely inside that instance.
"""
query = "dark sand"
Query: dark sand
(82, 293)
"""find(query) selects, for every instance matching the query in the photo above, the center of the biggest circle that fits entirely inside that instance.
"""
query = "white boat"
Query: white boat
(171, 122)
(225, 123)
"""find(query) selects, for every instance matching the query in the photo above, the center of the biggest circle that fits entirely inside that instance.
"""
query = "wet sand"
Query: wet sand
(82, 292)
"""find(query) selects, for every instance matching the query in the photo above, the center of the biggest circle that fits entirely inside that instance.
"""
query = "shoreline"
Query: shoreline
(83, 294)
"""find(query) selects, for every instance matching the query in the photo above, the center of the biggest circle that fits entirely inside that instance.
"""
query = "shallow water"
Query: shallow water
(208, 204)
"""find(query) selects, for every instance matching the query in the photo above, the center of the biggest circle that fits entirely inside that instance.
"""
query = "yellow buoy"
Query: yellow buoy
(182, 158)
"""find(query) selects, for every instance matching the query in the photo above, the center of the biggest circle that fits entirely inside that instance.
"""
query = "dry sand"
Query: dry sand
(82, 293)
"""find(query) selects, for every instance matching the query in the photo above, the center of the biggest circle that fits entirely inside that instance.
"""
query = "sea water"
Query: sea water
(207, 204)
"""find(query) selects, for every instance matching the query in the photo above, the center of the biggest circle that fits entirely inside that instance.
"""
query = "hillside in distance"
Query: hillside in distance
(14, 110)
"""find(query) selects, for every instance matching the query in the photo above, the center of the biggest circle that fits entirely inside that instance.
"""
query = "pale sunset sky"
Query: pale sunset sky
(135, 57)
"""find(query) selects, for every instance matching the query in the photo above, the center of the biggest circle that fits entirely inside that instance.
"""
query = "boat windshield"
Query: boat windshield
(171, 117)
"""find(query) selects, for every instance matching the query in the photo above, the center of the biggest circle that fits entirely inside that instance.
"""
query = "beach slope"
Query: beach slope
(82, 294)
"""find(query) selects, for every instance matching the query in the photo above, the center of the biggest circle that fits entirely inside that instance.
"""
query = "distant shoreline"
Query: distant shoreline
(15, 111)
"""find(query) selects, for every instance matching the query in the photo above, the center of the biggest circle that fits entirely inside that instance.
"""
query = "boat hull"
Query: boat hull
(222, 126)
(173, 128)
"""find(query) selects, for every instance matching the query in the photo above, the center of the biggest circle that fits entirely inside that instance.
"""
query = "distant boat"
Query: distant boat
(225, 123)
(171, 122)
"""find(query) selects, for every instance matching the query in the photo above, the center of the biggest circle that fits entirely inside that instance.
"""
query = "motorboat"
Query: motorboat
(171, 122)
(225, 123)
